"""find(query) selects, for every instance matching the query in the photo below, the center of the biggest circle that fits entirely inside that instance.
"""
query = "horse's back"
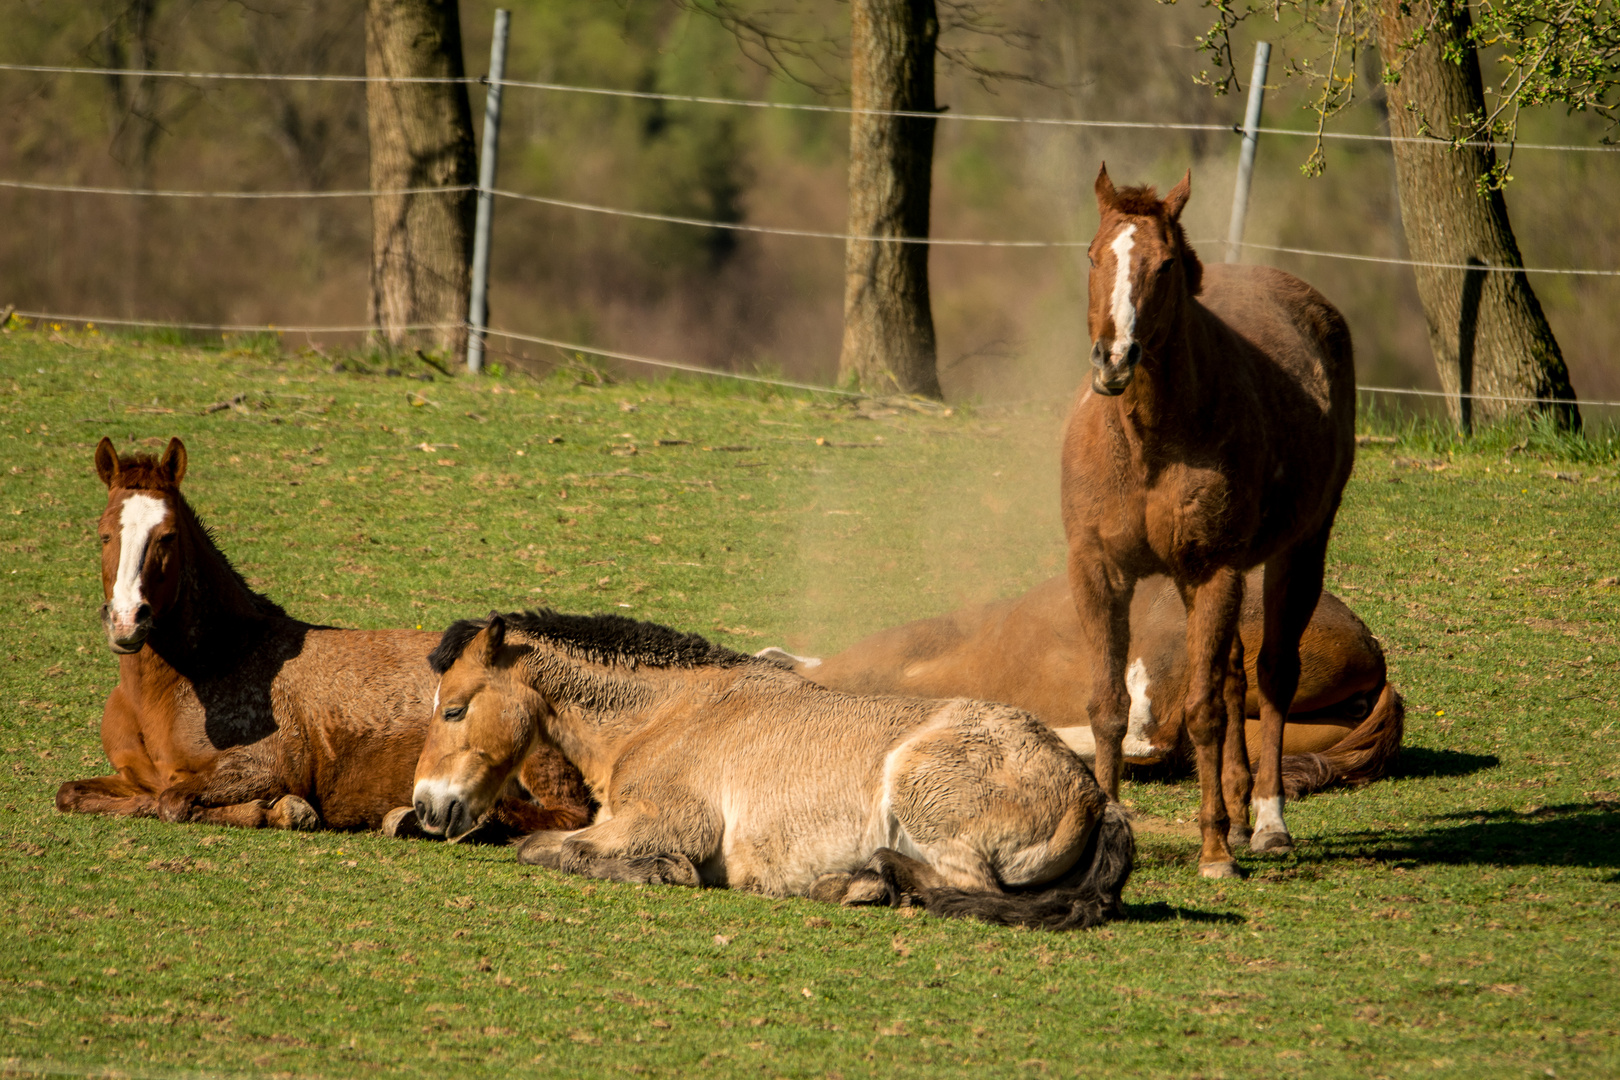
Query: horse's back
(1295, 326)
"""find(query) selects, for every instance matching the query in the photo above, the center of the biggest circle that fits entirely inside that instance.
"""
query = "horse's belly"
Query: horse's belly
(783, 850)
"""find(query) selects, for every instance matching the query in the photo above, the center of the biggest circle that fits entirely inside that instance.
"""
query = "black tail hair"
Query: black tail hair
(1087, 896)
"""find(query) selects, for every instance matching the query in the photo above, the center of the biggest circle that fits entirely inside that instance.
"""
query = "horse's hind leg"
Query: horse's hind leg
(1293, 587)
(1237, 782)
(895, 880)
(1212, 617)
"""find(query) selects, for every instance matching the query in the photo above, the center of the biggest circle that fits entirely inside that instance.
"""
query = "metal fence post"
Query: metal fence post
(478, 309)
(1251, 136)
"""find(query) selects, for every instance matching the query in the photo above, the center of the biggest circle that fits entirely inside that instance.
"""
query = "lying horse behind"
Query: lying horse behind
(228, 711)
(715, 768)
(1344, 726)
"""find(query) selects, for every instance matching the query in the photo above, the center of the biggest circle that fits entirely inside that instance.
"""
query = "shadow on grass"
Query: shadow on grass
(1568, 834)
(1415, 762)
(1161, 912)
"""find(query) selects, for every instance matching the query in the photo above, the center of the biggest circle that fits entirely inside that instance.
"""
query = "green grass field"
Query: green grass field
(1458, 919)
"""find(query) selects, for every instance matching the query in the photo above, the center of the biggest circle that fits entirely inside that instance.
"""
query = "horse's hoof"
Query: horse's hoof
(542, 849)
(1238, 837)
(674, 869)
(867, 888)
(1271, 842)
(401, 824)
(1225, 869)
(291, 812)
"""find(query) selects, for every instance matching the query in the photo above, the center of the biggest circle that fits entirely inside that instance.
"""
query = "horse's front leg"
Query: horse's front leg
(1212, 617)
(1103, 601)
(106, 795)
(1293, 587)
(234, 789)
(650, 849)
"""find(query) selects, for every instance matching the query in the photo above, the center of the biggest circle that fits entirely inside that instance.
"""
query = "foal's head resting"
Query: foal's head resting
(140, 540)
(485, 718)
(1141, 267)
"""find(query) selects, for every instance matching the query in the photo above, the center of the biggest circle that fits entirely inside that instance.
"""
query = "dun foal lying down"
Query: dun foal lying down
(231, 712)
(714, 768)
(1344, 726)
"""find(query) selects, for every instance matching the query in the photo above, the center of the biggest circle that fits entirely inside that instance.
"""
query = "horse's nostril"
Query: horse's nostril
(143, 613)
(1097, 352)
(1133, 354)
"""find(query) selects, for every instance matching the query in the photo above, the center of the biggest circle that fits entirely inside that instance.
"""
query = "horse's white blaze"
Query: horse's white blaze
(436, 696)
(1140, 724)
(139, 516)
(1124, 311)
(1268, 815)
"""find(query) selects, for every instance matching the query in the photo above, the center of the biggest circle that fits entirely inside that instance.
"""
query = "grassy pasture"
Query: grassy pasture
(1458, 919)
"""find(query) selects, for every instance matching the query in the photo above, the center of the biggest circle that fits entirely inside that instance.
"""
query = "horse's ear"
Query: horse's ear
(174, 461)
(107, 462)
(490, 639)
(1105, 190)
(1177, 199)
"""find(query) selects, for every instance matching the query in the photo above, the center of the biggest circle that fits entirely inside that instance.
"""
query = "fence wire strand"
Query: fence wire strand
(235, 328)
(590, 350)
(356, 193)
(1486, 267)
(675, 365)
(751, 103)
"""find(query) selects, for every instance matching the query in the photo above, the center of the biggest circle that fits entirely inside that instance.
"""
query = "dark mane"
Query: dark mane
(602, 639)
(1144, 201)
(143, 472)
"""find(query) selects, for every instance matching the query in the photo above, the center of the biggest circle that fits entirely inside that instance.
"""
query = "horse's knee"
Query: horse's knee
(175, 806)
(69, 796)
(542, 849)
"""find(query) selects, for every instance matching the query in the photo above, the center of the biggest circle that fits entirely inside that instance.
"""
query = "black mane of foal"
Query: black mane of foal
(602, 639)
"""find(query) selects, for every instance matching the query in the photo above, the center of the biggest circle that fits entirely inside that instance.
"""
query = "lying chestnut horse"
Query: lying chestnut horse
(228, 711)
(714, 768)
(1217, 435)
(1344, 726)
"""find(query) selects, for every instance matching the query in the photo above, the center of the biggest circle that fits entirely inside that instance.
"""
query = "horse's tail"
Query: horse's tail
(1361, 757)
(1086, 896)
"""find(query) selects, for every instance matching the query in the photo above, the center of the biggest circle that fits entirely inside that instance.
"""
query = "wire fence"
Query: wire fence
(768, 230)
(795, 106)
(744, 227)
(652, 361)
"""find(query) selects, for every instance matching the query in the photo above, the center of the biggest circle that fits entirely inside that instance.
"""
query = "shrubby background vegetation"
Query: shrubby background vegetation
(1010, 322)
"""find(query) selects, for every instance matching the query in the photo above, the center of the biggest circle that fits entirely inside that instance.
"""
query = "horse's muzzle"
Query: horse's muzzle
(447, 817)
(127, 637)
(1111, 374)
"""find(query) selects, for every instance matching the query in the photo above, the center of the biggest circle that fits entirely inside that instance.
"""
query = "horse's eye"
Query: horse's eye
(452, 713)
(106, 538)
(1164, 264)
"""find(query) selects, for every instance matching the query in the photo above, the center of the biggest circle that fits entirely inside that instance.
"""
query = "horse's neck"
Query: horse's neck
(215, 618)
(1174, 385)
(597, 708)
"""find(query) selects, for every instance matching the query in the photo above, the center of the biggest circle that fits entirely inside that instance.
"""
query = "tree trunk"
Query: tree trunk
(1486, 329)
(888, 323)
(421, 136)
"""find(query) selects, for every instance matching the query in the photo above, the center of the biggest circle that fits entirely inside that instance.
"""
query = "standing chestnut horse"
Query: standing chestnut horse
(1217, 435)
(228, 711)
